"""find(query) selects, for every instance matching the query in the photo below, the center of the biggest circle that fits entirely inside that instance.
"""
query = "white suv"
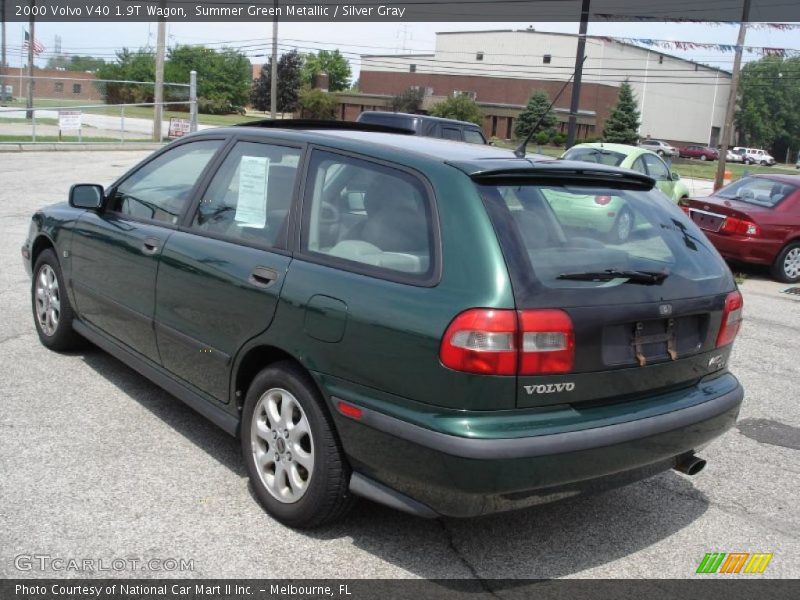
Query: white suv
(754, 156)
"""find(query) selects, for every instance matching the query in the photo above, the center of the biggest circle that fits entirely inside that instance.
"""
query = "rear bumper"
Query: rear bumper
(744, 249)
(464, 477)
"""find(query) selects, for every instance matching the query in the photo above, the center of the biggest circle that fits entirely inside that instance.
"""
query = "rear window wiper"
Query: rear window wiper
(640, 277)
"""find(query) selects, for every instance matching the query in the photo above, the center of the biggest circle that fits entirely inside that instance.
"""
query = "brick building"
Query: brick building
(679, 100)
(53, 84)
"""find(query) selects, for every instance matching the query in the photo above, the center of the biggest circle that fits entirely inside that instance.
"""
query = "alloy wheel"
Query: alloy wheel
(282, 445)
(624, 226)
(791, 264)
(48, 300)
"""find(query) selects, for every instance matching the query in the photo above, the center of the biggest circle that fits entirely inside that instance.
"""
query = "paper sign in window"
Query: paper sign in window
(251, 209)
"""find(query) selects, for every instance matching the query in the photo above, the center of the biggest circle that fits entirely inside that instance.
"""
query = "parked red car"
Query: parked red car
(701, 152)
(754, 220)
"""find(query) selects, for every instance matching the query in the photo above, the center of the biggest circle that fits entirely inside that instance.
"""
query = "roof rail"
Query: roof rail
(319, 124)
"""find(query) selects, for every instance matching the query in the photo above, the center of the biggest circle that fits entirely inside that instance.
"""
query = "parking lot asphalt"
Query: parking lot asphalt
(96, 462)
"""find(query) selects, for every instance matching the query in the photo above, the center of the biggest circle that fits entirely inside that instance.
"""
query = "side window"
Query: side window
(656, 167)
(160, 190)
(250, 195)
(638, 165)
(369, 215)
(451, 133)
(473, 136)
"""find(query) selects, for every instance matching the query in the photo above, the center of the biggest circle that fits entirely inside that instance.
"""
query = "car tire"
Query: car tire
(764, 163)
(703, 157)
(52, 312)
(623, 227)
(660, 153)
(786, 267)
(293, 456)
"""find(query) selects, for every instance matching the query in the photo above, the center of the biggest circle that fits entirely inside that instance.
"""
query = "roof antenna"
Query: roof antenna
(522, 148)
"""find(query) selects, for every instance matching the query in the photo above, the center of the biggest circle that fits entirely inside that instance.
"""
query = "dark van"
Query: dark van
(435, 127)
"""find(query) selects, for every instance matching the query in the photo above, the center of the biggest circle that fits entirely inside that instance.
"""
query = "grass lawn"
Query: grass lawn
(26, 139)
(139, 112)
(707, 170)
(685, 167)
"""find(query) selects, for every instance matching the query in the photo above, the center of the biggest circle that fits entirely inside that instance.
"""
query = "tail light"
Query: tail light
(739, 226)
(548, 342)
(507, 342)
(602, 200)
(731, 319)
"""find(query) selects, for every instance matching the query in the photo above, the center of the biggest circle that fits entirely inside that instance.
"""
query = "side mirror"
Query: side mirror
(86, 195)
(675, 176)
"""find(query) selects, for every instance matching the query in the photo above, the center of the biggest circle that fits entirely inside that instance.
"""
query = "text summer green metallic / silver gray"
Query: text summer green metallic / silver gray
(401, 318)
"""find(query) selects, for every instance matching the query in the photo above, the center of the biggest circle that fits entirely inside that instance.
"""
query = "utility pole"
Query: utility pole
(31, 82)
(158, 95)
(727, 128)
(576, 87)
(273, 79)
(3, 53)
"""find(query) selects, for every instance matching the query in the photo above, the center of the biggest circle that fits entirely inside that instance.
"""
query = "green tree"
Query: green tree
(316, 104)
(75, 63)
(224, 77)
(332, 63)
(130, 65)
(538, 108)
(459, 107)
(289, 66)
(622, 125)
(409, 101)
(768, 114)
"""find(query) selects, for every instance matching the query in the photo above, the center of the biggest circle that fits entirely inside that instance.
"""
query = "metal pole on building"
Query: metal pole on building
(31, 82)
(727, 127)
(158, 95)
(193, 100)
(576, 86)
(273, 80)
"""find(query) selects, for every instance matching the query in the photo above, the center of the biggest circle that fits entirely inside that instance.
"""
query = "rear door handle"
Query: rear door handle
(151, 245)
(263, 276)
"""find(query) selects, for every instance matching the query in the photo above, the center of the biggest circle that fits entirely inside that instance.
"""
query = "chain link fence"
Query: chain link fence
(70, 107)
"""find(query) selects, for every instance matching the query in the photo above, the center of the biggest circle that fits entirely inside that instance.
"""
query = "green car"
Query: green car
(614, 217)
(399, 318)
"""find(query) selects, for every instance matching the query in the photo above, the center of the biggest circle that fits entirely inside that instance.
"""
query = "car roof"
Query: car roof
(392, 115)
(472, 159)
(625, 149)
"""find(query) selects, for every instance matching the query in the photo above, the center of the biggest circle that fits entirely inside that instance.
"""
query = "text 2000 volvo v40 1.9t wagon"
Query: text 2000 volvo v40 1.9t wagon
(400, 318)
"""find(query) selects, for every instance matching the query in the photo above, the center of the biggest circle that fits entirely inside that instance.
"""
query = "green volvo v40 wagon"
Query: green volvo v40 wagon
(400, 318)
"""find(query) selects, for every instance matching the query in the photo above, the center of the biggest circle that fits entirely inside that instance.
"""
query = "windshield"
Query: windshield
(572, 245)
(595, 155)
(757, 190)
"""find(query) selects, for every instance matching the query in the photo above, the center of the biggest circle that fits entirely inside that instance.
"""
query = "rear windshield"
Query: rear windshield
(595, 155)
(554, 237)
(758, 191)
(388, 119)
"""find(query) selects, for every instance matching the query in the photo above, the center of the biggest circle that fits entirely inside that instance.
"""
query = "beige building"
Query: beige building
(679, 100)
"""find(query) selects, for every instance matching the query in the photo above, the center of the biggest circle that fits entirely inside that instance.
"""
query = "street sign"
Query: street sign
(69, 120)
(178, 127)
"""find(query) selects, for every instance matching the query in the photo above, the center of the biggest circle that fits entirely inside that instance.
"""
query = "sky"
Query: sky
(102, 39)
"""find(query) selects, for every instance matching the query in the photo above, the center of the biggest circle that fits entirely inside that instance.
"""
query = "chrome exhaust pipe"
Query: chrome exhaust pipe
(690, 465)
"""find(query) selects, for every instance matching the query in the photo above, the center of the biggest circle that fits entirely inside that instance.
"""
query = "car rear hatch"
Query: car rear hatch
(604, 319)
(721, 215)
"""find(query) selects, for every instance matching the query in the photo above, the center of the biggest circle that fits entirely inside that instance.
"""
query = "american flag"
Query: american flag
(38, 47)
